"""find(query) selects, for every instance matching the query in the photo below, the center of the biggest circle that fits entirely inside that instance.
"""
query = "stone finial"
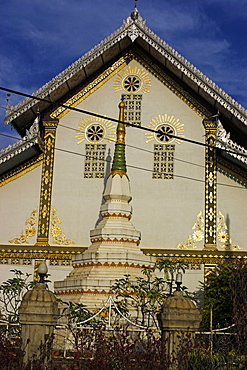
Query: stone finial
(42, 271)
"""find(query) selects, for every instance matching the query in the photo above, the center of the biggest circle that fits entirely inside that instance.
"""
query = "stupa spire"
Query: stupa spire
(115, 249)
(119, 162)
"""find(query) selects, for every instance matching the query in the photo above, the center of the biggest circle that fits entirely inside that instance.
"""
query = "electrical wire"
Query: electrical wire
(135, 147)
(11, 137)
(126, 123)
(143, 168)
(139, 168)
(127, 145)
(114, 120)
(6, 108)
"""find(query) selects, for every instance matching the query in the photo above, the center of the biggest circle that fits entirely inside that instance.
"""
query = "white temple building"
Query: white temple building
(186, 162)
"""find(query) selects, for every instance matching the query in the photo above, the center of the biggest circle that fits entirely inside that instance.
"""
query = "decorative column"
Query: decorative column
(210, 185)
(179, 316)
(46, 182)
(38, 315)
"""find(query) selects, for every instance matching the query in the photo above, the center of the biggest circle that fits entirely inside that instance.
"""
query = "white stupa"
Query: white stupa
(115, 249)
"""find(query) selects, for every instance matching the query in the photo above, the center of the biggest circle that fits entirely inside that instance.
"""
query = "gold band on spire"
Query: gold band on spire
(121, 126)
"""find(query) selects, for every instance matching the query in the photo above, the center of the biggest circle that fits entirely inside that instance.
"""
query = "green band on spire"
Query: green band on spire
(119, 163)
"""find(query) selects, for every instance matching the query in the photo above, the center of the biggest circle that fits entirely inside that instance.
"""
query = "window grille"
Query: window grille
(132, 113)
(94, 166)
(163, 165)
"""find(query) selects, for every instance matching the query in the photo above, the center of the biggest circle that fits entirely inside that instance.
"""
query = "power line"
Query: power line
(113, 141)
(136, 167)
(11, 137)
(143, 168)
(5, 108)
(117, 121)
(128, 145)
(114, 120)
(136, 147)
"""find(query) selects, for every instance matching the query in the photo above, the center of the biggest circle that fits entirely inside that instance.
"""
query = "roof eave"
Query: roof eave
(108, 49)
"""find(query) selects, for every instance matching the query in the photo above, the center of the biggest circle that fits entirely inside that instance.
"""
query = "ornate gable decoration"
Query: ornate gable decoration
(224, 142)
(31, 138)
(225, 242)
(134, 27)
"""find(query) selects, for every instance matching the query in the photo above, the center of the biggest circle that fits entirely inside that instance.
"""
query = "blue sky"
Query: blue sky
(39, 39)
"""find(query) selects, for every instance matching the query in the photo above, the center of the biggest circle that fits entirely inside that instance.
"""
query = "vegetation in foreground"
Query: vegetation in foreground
(96, 348)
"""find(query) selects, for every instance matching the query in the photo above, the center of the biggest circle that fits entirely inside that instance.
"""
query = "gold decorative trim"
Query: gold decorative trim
(132, 73)
(118, 172)
(42, 242)
(210, 183)
(175, 127)
(56, 231)
(16, 261)
(30, 230)
(114, 240)
(107, 214)
(21, 170)
(107, 264)
(198, 235)
(146, 62)
(92, 86)
(107, 130)
(210, 247)
(36, 252)
(200, 256)
(156, 71)
(82, 291)
(223, 235)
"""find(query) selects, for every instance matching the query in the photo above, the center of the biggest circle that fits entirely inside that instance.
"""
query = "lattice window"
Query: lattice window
(163, 161)
(132, 112)
(94, 166)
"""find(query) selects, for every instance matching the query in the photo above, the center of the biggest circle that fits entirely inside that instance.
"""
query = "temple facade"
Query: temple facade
(184, 156)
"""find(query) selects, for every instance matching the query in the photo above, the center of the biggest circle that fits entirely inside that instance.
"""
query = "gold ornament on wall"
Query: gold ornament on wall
(92, 86)
(95, 130)
(29, 231)
(165, 125)
(56, 231)
(223, 235)
(198, 234)
(132, 80)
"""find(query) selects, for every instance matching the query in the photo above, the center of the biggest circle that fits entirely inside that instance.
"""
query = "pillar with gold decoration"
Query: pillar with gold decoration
(210, 184)
(46, 182)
